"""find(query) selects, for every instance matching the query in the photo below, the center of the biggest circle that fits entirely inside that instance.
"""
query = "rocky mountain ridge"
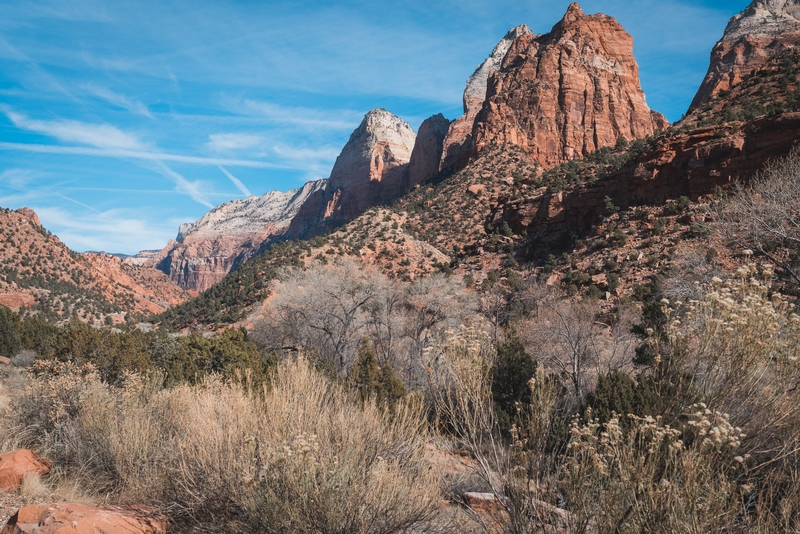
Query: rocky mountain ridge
(384, 159)
(39, 273)
(505, 208)
(763, 29)
(227, 236)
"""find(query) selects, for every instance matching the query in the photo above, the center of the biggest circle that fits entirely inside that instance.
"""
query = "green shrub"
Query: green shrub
(512, 370)
(9, 338)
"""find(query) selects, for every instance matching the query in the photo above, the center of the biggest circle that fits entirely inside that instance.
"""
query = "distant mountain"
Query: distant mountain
(39, 273)
(225, 237)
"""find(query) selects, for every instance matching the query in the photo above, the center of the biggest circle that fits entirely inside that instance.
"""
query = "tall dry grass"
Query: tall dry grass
(724, 456)
(299, 457)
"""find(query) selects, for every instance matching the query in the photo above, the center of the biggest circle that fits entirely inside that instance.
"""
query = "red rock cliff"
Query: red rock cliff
(567, 93)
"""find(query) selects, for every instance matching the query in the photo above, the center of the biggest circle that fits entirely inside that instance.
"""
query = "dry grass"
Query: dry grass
(300, 457)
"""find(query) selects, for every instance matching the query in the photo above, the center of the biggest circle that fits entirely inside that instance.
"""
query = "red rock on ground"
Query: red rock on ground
(69, 518)
(15, 465)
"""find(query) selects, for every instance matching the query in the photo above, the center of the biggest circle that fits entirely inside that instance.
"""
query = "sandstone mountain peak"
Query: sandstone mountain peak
(458, 142)
(382, 134)
(372, 169)
(427, 153)
(763, 29)
(764, 17)
(566, 93)
(574, 11)
(475, 91)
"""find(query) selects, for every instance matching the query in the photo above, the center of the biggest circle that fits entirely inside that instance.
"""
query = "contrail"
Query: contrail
(239, 185)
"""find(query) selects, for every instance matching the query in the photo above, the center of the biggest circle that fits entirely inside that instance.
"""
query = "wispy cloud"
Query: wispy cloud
(137, 154)
(227, 142)
(336, 119)
(96, 135)
(315, 162)
(87, 206)
(239, 185)
(18, 179)
(119, 100)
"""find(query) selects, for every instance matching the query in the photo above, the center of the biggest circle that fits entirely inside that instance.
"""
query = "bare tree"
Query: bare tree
(331, 308)
(570, 339)
(322, 307)
(764, 215)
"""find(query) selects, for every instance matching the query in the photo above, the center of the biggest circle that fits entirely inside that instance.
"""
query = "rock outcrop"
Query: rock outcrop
(30, 215)
(691, 164)
(427, 153)
(72, 518)
(14, 466)
(208, 249)
(566, 93)
(371, 170)
(765, 28)
(458, 143)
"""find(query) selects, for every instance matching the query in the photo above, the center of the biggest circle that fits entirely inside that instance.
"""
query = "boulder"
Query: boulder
(70, 518)
(15, 465)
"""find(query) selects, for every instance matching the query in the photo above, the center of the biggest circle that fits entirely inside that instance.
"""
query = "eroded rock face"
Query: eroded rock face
(71, 518)
(765, 28)
(228, 235)
(458, 143)
(427, 153)
(690, 164)
(15, 465)
(567, 93)
(371, 170)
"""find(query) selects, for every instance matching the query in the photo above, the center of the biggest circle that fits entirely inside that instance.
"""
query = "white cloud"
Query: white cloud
(239, 185)
(112, 231)
(225, 142)
(323, 154)
(117, 99)
(335, 119)
(96, 135)
(183, 185)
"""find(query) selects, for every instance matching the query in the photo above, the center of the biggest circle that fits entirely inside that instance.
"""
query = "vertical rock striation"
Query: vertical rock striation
(566, 93)
(763, 29)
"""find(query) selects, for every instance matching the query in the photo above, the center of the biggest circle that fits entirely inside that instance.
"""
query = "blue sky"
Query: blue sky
(120, 120)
